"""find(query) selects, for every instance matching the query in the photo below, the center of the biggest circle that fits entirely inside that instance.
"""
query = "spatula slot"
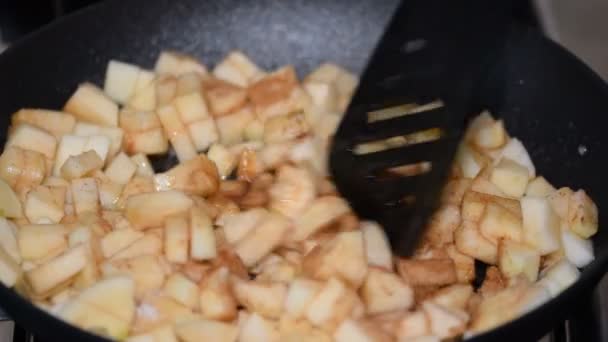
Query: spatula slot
(407, 170)
(418, 137)
(401, 110)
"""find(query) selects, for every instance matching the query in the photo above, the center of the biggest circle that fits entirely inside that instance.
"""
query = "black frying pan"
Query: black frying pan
(548, 98)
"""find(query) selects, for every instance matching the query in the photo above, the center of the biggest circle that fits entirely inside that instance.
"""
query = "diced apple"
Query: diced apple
(56, 123)
(582, 215)
(177, 133)
(37, 241)
(254, 131)
(10, 271)
(516, 258)
(170, 62)
(469, 241)
(238, 69)
(148, 273)
(182, 290)
(300, 294)
(202, 238)
(144, 168)
(257, 329)
(197, 330)
(264, 298)
(231, 127)
(334, 303)
(144, 78)
(454, 296)
(45, 277)
(85, 195)
(191, 107)
(413, 325)
(464, 264)
(445, 322)
(559, 277)
(69, 145)
(41, 206)
(237, 225)
(490, 135)
(120, 80)
(468, 164)
(377, 248)
(539, 187)
(115, 134)
(150, 209)
(359, 331)
(497, 223)
(441, 226)
(30, 137)
(323, 94)
(144, 97)
(224, 97)
(280, 129)
(263, 239)
(81, 165)
(321, 212)
(515, 151)
(118, 240)
(272, 93)
(223, 159)
(8, 239)
(197, 176)
(216, 299)
(578, 250)
(10, 206)
(293, 192)
(343, 257)
(510, 177)
(203, 133)
(540, 224)
(189, 83)
(89, 103)
(427, 272)
(176, 239)
(121, 169)
(384, 291)
(164, 333)
(150, 244)
(100, 144)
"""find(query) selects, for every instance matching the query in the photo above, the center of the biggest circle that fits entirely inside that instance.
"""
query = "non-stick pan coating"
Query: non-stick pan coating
(556, 105)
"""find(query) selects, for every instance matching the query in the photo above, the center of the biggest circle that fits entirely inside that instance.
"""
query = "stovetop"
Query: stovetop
(558, 18)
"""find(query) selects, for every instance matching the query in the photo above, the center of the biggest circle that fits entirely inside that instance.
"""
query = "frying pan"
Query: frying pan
(548, 98)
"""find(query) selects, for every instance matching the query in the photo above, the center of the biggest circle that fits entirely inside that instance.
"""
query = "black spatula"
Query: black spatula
(419, 88)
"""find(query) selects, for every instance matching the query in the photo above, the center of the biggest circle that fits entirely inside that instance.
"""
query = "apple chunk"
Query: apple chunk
(516, 258)
(540, 224)
(10, 206)
(89, 103)
(510, 177)
(150, 209)
(47, 276)
(197, 330)
(120, 81)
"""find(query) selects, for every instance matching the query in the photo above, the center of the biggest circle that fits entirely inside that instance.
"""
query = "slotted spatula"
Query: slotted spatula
(418, 90)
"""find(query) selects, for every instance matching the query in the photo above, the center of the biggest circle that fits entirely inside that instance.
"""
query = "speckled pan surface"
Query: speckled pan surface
(548, 99)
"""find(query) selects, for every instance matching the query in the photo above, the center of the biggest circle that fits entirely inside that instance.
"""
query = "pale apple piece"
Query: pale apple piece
(85, 195)
(37, 241)
(155, 310)
(10, 206)
(41, 206)
(109, 192)
(163, 333)
(144, 78)
(559, 276)
(216, 299)
(59, 269)
(427, 272)
(237, 225)
(81, 165)
(498, 223)
(223, 159)
(454, 297)
(121, 169)
(264, 298)
(197, 330)
(137, 185)
(204, 133)
(182, 290)
(579, 251)
(510, 177)
(174, 63)
(322, 94)
(292, 330)
(144, 97)
(414, 324)
(189, 83)
(224, 97)
(490, 135)
(516, 258)
(8, 239)
(384, 291)
(474, 203)
(275, 155)
(535, 296)
(515, 151)
(69, 145)
(254, 130)
(12, 165)
(231, 127)
(454, 190)
(273, 94)
(144, 168)
(445, 322)
(540, 224)
(150, 209)
(148, 272)
(321, 212)
(539, 187)
(177, 133)
(55, 122)
(117, 240)
(89, 103)
(293, 191)
(132, 120)
(10, 271)
(464, 264)
(343, 257)
(469, 241)
(93, 319)
(257, 329)
(197, 176)
(153, 141)
(115, 134)
(377, 248)
(279, 129)
(150, 244)
(560, 201)
(238, 69)
(166, 90)
(441, 226)
(120, 80)
(268, 234)
(191, 107)
(32, 138)
(467, 162)
(300, 294)
(176, 239)
(359, 331)
(202, 237)
(98, 143)
(334, 303)
(582, 215)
